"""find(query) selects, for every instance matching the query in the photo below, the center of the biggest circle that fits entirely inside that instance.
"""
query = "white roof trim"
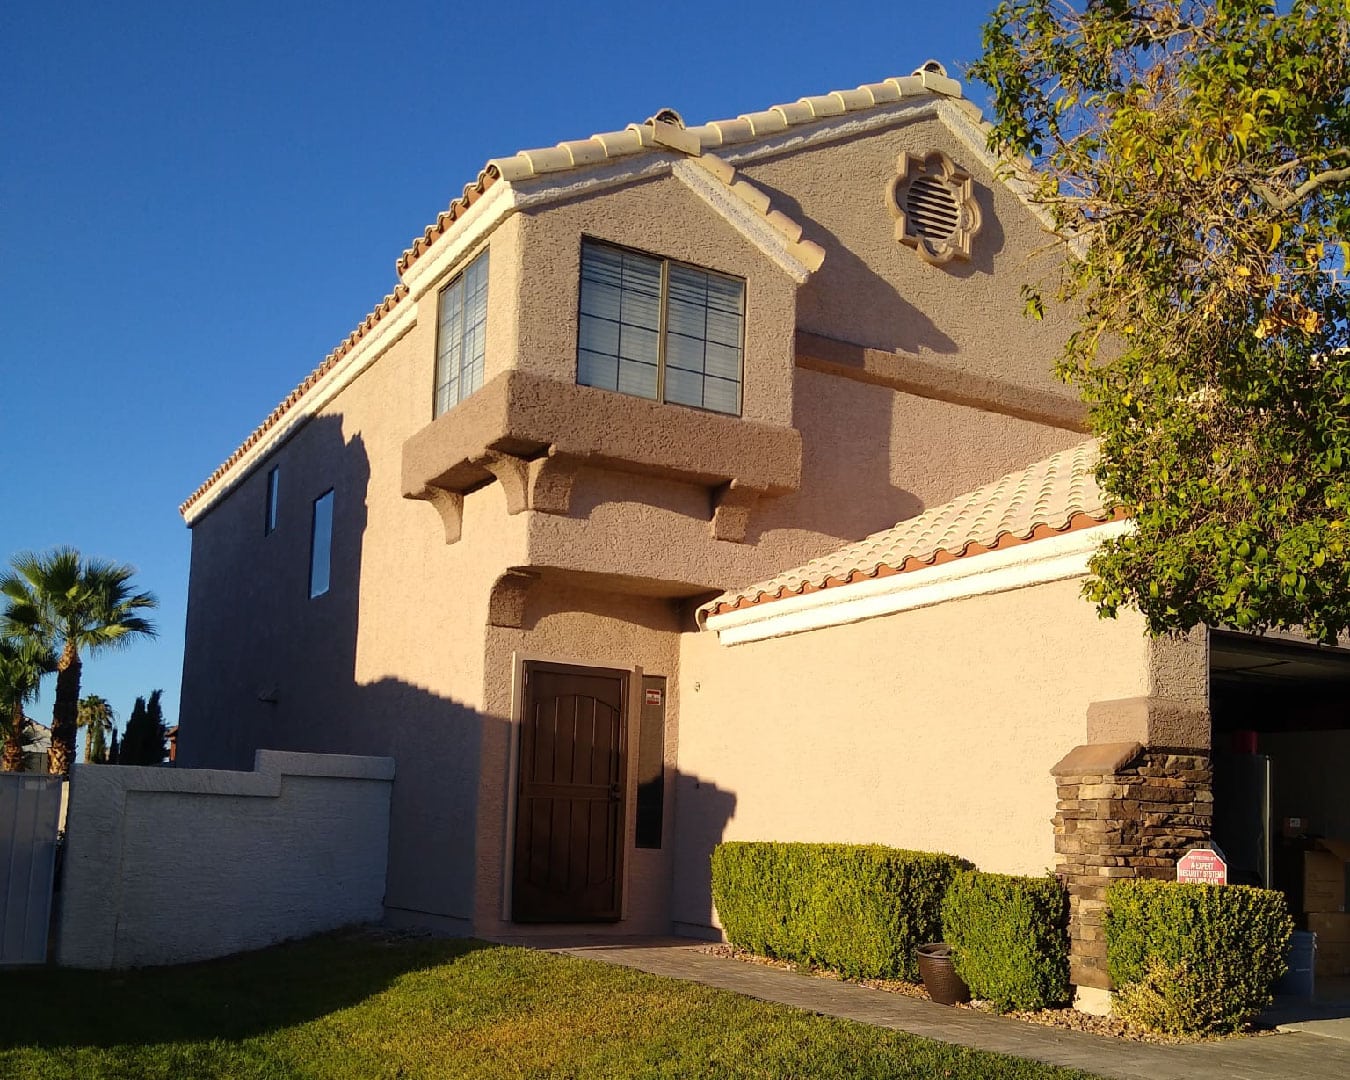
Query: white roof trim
(477, 223)
(1034, 563)
(754, 227)
(369, 349)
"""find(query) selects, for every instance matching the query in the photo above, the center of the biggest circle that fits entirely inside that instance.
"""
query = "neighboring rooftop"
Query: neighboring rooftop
(1054, 496)
(928, 80)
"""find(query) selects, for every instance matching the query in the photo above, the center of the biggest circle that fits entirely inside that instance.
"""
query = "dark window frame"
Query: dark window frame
(328, 499)
(273, 500)
(664, 331)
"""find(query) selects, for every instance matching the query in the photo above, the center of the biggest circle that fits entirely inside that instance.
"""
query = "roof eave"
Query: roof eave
(1033, 563)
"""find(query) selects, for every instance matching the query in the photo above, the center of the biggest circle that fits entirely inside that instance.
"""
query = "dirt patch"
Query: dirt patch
(1070, 1018)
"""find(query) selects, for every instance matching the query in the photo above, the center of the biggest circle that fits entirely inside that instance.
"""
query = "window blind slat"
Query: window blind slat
(619, 342)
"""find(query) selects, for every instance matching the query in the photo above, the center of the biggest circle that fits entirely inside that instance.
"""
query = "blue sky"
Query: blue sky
(199, 201)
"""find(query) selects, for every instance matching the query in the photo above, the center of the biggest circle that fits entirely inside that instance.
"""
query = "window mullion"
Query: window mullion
(661, 332)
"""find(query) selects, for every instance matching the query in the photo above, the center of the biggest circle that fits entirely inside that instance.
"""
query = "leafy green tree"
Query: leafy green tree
(143, 742)
(1194, 159)
(96, 716)
(23, 662)
(76, 607)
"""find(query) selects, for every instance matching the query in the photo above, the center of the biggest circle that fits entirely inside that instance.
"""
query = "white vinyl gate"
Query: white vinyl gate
(30, 810)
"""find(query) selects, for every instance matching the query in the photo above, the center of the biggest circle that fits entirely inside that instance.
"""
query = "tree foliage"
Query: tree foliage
(96, 716)
(75, 607)
(23, 662)
(143, 742)
(1194, 159)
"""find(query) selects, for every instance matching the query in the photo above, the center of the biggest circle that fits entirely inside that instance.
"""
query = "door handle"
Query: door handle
(615, 792)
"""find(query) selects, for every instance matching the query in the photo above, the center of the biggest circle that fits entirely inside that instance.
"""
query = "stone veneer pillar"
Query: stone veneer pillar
(1125, 810)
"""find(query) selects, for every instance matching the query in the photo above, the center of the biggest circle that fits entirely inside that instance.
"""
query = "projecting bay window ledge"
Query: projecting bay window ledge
(532, 435)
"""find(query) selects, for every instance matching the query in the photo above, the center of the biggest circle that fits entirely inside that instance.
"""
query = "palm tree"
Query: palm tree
(23, 662)
(96, 716)
(77, 607)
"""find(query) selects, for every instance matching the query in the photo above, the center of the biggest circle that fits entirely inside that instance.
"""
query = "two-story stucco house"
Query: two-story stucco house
(508, 533)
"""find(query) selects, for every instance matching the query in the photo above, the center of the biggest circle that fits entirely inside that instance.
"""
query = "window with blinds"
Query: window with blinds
(660, 329)
(461, 335)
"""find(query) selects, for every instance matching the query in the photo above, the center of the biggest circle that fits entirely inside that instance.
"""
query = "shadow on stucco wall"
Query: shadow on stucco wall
(267, 666)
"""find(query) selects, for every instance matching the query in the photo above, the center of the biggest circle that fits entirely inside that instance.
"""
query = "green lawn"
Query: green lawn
(358, 1006)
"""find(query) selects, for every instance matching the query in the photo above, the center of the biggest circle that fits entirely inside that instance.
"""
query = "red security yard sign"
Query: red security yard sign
(1202, 866)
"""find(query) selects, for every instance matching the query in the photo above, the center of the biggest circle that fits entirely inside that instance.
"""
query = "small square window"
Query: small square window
(660, 329)
(321, 545)
(273, 498)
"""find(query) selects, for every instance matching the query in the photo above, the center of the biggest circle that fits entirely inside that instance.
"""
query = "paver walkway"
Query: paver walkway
(1283, 1056)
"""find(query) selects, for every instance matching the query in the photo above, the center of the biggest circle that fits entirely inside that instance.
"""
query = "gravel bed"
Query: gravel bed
(1069, 1018)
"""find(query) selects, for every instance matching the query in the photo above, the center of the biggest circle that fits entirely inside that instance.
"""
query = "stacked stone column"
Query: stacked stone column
(1124, 811)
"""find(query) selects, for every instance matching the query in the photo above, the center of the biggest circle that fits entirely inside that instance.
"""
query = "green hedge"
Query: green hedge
(1194, 959)
(1010, 938)
(860, 910)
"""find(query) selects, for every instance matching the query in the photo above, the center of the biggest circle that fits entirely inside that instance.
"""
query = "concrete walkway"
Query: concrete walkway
(1281, 1056)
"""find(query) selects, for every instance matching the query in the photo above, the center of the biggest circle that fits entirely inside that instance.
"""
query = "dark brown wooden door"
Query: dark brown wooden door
(571, 795)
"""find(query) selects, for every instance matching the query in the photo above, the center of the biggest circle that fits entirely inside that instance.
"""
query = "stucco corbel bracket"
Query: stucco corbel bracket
(513, 474)
(450, 505)
(731, 511)
(506, 605)
(543, 484)
(550, 483)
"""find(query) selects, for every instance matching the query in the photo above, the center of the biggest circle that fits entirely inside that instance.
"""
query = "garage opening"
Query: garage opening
(1281, 752)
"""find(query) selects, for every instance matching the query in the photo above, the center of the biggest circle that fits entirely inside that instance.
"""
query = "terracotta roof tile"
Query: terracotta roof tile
(1050, 497)
(525, 164)
(579, 153)
(274, 417)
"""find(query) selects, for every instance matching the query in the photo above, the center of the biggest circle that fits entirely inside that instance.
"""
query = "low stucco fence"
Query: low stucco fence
(164, 866)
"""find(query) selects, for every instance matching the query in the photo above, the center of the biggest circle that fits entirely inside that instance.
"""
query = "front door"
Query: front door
(571, 795)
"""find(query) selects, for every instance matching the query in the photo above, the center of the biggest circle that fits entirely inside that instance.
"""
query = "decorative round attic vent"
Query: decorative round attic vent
(934, 207)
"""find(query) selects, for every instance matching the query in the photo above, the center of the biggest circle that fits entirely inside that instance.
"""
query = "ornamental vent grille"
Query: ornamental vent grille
(934, 206)
(931, 210)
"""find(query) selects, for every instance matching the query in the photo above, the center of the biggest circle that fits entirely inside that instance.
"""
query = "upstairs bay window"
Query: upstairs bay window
(461, 335)
(660, 329)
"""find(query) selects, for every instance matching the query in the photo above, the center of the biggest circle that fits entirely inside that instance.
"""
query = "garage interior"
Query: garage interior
(1281, 753)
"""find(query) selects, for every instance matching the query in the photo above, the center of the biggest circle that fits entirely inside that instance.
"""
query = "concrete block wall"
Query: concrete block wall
(165, 866)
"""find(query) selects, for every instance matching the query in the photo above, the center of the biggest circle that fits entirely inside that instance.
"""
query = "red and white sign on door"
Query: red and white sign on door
(1201, 866)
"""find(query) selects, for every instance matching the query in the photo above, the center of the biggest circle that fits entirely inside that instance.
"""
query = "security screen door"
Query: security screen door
(570, 796)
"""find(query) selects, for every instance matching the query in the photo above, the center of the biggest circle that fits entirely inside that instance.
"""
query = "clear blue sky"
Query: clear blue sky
(199, 201)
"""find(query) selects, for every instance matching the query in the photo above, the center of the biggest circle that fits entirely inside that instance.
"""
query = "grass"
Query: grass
(365, 1006)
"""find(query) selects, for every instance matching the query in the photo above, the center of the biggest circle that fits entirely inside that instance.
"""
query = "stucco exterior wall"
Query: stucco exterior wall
(568, 624)
(390, 660)
(874, 291)
(664, 218)
(933, 729)
(398, 658)
(165, 866)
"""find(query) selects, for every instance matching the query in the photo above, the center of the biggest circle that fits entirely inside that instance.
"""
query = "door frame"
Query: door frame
(520, 660)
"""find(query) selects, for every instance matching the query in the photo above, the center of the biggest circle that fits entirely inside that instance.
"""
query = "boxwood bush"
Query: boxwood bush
(1194, 959)
(860, 910)
(1010, 938)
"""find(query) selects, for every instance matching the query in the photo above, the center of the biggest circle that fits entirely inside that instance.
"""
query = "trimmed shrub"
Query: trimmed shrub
(1194, 959)
(860, 910)
(1010, 938)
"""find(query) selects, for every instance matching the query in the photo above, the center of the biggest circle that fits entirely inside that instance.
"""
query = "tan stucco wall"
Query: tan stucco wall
(567, 624)
(397, 660)
(932, 729)
(874, 291)
(390, 660)
(665, 218)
